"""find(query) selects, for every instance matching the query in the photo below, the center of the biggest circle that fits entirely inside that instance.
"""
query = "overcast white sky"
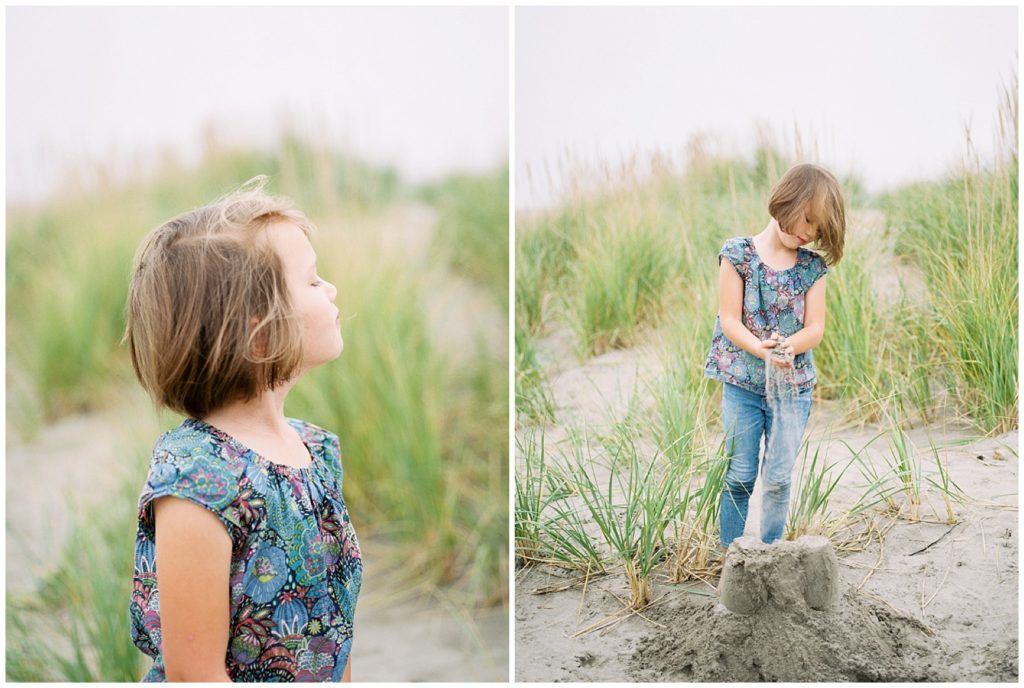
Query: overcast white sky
(885, 91)
(425, 89)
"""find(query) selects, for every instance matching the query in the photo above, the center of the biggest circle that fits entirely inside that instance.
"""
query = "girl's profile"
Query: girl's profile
(247, 567)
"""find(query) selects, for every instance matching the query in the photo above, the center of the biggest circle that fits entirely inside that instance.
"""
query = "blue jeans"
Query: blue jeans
(746, 416)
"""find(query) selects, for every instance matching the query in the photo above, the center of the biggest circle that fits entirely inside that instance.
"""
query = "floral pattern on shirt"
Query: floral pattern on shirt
(773, 301)
(296, 568)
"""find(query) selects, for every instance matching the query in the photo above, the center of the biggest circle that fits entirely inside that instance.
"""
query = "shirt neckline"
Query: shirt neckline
(753, 247)
(257, 457)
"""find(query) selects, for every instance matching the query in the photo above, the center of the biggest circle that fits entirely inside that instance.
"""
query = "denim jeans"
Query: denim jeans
(747, 416)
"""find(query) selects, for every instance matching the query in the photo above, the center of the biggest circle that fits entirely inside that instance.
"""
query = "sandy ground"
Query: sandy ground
(962, 589)
(936, 601)
(81, 459)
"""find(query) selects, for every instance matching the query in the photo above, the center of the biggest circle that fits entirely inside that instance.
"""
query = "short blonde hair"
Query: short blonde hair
(806, 183)
(209, 318)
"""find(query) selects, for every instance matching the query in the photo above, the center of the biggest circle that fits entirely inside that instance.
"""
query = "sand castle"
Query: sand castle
(783, 614)
(784, 575)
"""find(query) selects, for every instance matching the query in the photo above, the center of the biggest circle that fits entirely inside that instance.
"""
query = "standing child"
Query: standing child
(247, 567)
(772, 296)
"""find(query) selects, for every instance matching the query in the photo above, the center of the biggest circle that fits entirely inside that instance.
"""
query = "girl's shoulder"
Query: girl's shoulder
(193, 463)
(811, 261)
(314, 434)
(738, 250)
(190, 440)
(324, 442)
(737, 243)
(810, 266)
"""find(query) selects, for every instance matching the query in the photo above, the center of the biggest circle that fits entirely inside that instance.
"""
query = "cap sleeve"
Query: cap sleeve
(330, 448)
(332, 456)
(813, 270)
(192, 470)
(734, 250)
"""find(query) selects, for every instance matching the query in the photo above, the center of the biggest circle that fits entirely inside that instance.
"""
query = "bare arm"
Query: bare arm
(347, 677)
(814, 320)
(193, 555)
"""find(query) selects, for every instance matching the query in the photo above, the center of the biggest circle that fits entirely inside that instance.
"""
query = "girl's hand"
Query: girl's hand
(768, 344)
(776, 343)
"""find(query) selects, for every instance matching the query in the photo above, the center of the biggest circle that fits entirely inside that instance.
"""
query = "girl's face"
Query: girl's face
(311, 297)
(803, 231)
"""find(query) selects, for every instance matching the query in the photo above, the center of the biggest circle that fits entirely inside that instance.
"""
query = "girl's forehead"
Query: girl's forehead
(291, 243)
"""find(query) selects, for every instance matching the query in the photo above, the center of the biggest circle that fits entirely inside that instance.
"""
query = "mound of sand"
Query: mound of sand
(798, 624)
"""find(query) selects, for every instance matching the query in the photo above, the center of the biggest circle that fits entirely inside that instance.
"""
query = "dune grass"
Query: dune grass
(533, 495)
(549, 528)
(621, 274)
(809, 512)
(963, 234)
(631, 506)
(696, 542)
(473, 227)
(534, 402)
(943, 483)
(682, 395)
(629, 259)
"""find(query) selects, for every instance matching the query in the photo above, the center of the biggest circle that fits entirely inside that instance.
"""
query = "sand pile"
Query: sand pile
(795, 622)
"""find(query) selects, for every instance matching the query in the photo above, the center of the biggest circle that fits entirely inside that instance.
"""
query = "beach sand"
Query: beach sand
(933, 601)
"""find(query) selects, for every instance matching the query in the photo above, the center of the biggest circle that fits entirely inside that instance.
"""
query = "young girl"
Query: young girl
(246, 564)
(772, 296)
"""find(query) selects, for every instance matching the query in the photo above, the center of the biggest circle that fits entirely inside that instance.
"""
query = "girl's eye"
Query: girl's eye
(317, 282)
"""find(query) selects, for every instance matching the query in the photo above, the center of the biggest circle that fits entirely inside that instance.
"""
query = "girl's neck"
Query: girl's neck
(263, 415)
(769, 240)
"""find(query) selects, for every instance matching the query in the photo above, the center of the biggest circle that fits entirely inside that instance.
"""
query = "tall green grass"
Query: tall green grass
(548, 525)
(633, 251)
(534, 401)
(473, 227)
(809, 512)
(621, 276)
(631, 507)
(683, 396)
(385, 396)
(696, 525)
(68, 263)
(963, 234)
(67, 272)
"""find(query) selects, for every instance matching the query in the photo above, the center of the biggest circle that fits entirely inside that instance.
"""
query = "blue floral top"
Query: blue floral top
(295, 562)
(773, 301)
